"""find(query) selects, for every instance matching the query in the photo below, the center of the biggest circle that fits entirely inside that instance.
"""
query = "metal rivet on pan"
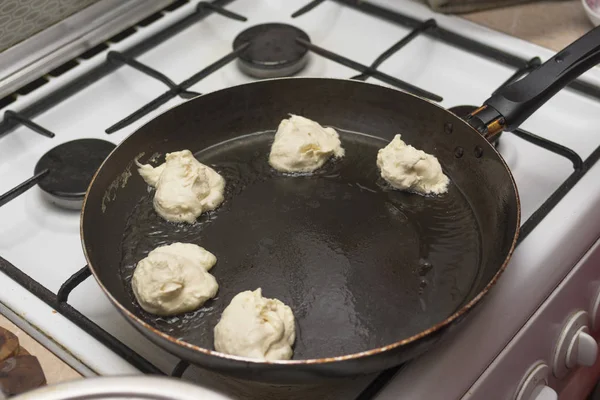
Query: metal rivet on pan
(458, 152)
(478, 151)
(448, 127)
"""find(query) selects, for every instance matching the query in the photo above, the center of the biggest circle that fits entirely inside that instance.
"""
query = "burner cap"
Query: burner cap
(273, 51)
(72, 166)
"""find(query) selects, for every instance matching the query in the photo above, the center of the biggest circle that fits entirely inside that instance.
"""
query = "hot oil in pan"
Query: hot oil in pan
(360, 265)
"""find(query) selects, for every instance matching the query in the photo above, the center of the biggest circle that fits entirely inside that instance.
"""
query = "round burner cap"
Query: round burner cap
(273, 51)
(71, 167)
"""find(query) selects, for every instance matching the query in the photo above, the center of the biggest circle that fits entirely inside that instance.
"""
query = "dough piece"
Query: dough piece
(302, 145)
(185, 188)
(256, 327)
(174, 279)
(407, 168)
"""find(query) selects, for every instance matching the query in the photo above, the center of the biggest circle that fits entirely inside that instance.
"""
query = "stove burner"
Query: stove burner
(273, 51)
(71, 167)
(464, 111)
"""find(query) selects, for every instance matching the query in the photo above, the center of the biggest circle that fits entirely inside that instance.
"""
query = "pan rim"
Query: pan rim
(326, 360)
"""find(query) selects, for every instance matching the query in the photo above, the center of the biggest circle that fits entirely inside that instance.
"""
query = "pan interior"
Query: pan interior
(361, 266)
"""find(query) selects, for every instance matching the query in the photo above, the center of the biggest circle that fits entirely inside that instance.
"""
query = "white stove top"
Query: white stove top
(43, 240)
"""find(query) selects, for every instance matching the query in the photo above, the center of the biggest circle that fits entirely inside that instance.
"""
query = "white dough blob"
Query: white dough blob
(256, 327)
(302, 145)
(185, 188)
(407, 168)
(174, 279)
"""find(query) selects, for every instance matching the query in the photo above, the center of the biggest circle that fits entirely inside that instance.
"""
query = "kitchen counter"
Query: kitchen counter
(54, 368)
(551, 24)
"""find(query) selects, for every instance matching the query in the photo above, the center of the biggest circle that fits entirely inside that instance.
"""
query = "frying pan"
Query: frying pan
(374, 276)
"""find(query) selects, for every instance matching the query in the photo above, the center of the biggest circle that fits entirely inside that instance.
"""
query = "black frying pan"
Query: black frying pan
(374, 276)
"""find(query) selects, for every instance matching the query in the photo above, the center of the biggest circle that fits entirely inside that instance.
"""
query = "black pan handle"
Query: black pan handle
(513, 104)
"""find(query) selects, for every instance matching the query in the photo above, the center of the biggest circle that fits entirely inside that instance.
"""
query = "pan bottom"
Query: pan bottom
(361, 266)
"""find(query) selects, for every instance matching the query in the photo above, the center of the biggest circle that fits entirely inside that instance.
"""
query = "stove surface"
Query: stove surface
(43, 241)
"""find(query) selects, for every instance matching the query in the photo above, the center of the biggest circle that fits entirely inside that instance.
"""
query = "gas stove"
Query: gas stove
(528, 324)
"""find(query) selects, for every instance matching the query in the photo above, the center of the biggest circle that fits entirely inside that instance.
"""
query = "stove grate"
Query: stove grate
(77, 318)
(119, 58)
(458, 40)
(175, 90)
(425, 26)
(203, 10)
(180, 369)
(307, 8)
(363, 69)
(10, 115)
(204, 6)
(66, 288)
(115, 60)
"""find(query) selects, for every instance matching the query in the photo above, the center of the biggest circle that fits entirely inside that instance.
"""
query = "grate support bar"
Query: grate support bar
(42, 293)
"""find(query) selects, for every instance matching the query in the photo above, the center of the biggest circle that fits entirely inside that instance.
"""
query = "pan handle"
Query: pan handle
(511, 105)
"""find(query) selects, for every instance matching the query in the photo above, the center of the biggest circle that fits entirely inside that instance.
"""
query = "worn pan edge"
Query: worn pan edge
(445, 323)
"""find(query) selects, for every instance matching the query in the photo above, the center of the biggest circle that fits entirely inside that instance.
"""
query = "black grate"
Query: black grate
(76, 317)
(180, 369)
(363, 69)
(307, 8)
(119, 58)
(458, 40)
(13, 116)
(425, 26)
(115, 60)
(175, 90)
